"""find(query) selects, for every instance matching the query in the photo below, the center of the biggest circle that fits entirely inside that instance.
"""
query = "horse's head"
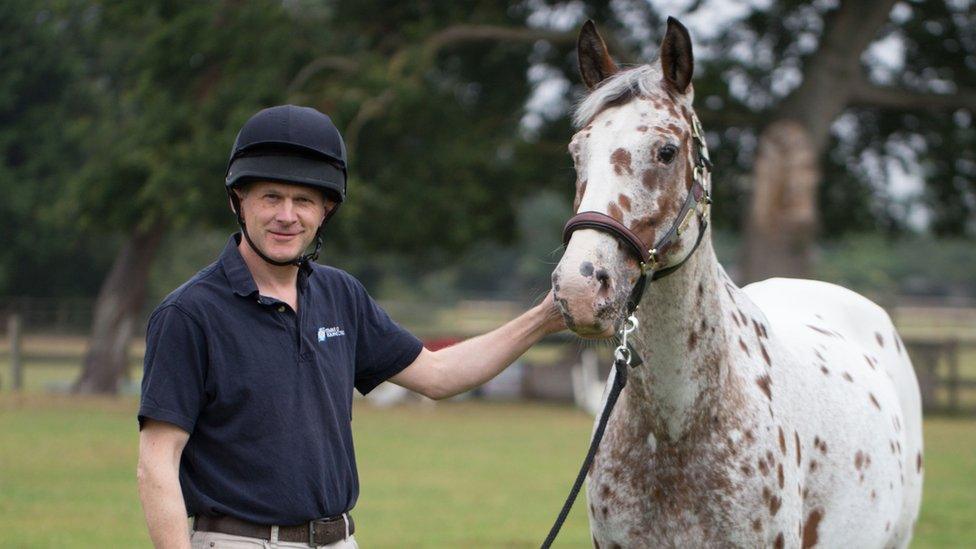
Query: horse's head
(635, 162)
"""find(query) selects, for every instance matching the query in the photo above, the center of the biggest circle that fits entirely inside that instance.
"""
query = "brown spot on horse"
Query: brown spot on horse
(810, 534)
(765, 383)
(796, 435)
(580, 191)
(918, 462)
(880, 339)
(874, 401)
(848, 377)
(778, 543)
(755, 326)
(620, 159)
(818, 329)
(624, 202)
(613, 210)
(782, 441)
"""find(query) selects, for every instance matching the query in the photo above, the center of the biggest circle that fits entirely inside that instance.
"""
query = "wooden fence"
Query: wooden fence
(945, 387)
(942, 344)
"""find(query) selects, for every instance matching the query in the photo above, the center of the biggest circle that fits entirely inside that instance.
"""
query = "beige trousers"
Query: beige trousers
(215, 540)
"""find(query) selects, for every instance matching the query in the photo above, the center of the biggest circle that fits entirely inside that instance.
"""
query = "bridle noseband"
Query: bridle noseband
(698, 201)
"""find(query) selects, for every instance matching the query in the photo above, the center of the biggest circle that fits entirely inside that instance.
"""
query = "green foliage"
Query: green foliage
(902, 266)
(40, 151)
(174, 82)
(117, 115)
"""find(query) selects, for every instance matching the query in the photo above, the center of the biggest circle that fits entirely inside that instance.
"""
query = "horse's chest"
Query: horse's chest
(647, 492)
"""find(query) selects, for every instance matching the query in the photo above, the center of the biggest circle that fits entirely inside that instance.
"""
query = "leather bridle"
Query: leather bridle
(649, 258)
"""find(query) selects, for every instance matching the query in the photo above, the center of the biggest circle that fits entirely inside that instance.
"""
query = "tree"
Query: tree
(787, 175)
(40, 147)
(174, 80)
(178, 79)
(432, 99)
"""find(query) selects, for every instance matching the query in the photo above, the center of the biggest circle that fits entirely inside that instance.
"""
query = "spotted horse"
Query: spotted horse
(782, 414)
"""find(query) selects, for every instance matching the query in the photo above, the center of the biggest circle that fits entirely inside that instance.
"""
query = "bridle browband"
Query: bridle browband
(649, 258)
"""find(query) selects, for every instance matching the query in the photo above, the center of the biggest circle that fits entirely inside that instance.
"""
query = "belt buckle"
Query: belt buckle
(311, 529)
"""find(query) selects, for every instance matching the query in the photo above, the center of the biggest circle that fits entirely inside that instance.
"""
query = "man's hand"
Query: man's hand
(554, 320)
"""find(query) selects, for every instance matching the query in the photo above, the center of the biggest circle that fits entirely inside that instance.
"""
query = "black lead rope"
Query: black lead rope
(619, 381)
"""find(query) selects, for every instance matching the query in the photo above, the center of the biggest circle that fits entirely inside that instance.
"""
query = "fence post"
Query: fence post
(952, 354)
(16, 363)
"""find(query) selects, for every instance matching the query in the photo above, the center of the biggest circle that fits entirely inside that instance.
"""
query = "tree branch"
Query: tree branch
(335, 62)
(456, 35)
(866, 94)
(368, 110)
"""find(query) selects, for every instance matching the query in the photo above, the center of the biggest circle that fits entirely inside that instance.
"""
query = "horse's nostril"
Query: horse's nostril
(603, 277)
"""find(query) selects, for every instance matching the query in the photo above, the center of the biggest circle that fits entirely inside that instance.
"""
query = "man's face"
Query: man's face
(281, 218)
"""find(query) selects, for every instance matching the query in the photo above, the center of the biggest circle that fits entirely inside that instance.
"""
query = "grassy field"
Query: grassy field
(450, 475)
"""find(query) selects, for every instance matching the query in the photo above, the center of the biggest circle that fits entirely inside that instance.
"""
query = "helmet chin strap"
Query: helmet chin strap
(303, 258)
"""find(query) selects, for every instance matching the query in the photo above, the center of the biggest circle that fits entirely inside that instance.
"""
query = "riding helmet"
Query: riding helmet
(290, 144)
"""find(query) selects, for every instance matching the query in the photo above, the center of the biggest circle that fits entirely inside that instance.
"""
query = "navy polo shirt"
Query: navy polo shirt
(265, 393)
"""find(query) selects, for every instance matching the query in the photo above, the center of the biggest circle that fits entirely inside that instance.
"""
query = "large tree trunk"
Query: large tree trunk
(782, 225)
(116, 314)
(783, 218)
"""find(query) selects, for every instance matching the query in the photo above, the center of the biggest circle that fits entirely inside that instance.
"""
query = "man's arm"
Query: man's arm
(472, 362)
(160, 447)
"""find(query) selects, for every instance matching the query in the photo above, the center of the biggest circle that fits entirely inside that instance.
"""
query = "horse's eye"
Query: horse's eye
(666, 154)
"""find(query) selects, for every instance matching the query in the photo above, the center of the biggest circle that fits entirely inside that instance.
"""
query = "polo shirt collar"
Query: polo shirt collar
(235, 269)
(239, 276)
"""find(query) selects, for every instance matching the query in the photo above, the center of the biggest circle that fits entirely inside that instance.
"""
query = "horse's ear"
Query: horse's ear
(595, 64)
(677, 61)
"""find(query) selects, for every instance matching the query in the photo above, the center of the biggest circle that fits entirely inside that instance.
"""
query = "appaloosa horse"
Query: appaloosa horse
(782, 414)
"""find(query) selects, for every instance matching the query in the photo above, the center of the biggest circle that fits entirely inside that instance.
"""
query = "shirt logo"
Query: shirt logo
(335, 331)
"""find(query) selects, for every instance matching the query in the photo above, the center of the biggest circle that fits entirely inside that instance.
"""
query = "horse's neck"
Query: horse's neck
(682, 340)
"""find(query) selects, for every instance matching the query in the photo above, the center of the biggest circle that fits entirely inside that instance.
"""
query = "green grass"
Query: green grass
(450, 475)
(948, 517)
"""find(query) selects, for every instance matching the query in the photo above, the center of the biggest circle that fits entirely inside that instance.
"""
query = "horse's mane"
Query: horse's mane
(638, 81)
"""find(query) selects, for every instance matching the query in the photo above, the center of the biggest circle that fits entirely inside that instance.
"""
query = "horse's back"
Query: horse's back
(804, 309)
(843, 343)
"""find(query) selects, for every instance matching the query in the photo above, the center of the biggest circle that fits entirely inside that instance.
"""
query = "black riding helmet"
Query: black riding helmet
(290, 144)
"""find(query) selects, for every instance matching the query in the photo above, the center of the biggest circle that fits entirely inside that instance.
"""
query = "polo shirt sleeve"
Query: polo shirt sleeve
(383, 347)
(174, 374)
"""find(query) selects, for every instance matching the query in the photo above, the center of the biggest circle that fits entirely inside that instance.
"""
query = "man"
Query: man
(250, 365)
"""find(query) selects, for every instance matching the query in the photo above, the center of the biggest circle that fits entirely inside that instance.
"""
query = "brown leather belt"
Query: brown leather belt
(317, 532)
